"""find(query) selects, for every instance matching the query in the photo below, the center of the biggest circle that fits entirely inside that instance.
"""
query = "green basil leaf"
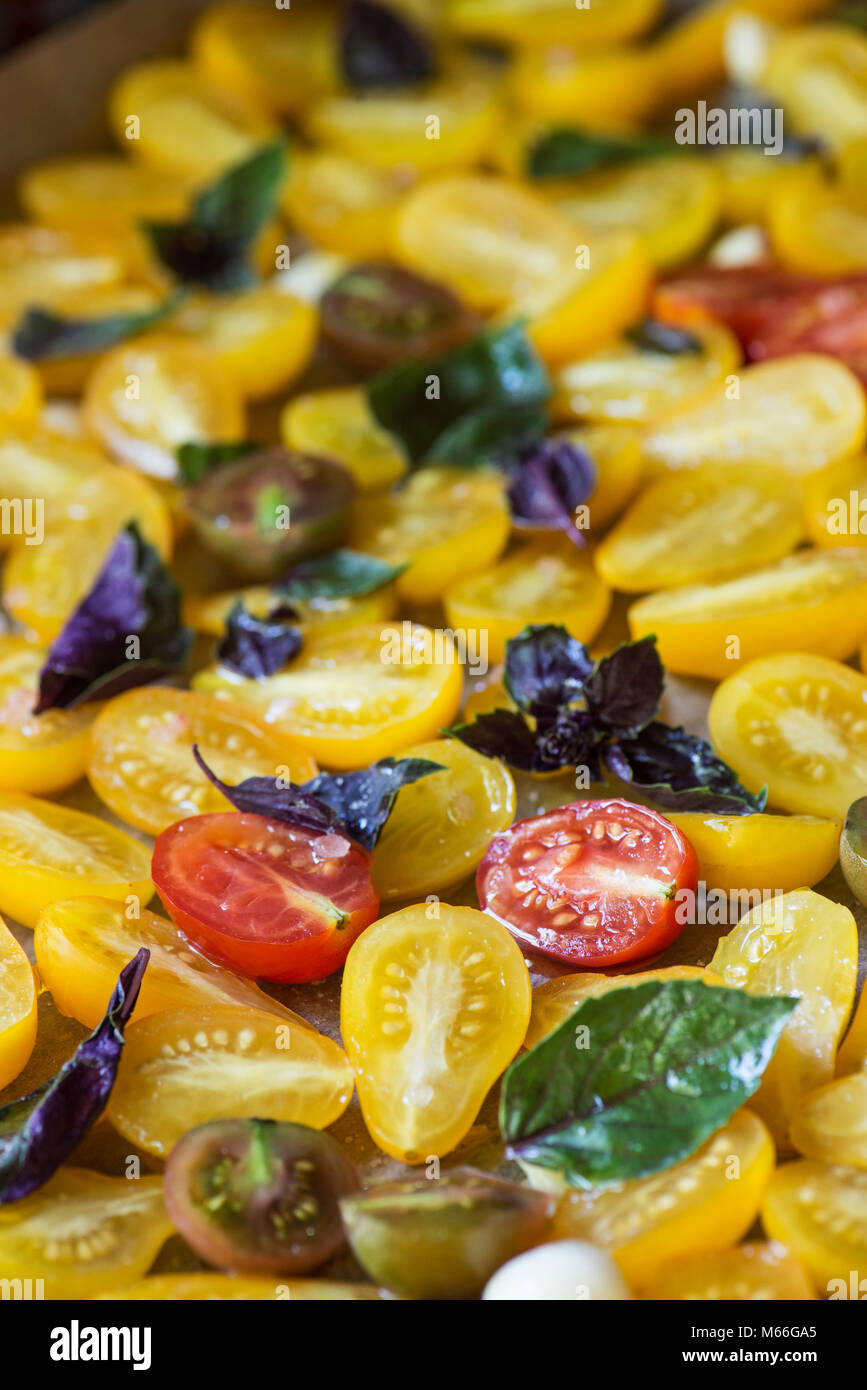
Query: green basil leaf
(196, 460)
(339, 574)
(495, 435)
(498, 371)
(41, 336)
(211, 247)
(564, 151)
(637, 1079)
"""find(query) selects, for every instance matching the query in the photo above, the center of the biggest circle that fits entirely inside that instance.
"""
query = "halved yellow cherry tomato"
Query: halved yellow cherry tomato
(589, 301)
(550, 21)
(444, 524)
(195, 1287)
(622, 382)
(82, 944)
(38, 752)
(342, 204)
(804, 945)
(548, 581)
(186, 1066)
(48, 852)
(563, 83)
(814, 600)
(819, 1211)
(835, 503)
(82, 1232)
(446, 125)
(141, 754)
(496, 243)
(103, 190)
(672, 203)
(753, 182)
(706, 1202)
(44, 583)
(44, 465)
(434, 1006)
(800, 413)
(149, 396)
(265, 55)
(764, 1270)
(208, 612)
(67, 376)
(436, 834)
(760, 853)
(820, 229)
(17, 1007)
(20, 394)
(616, 453)
(557, 1000)
(702, 526)
(852, 1056)
(820, 74)
(796, 723)
(350, 698)
(262, 338)
(831, 1122)
(176, 119)
(340, 425)
(40, 266)
(689, 55)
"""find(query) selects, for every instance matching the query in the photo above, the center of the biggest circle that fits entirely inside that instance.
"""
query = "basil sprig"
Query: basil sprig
(468, 405)
(573, 711)
(212, 246)
(637, 1079)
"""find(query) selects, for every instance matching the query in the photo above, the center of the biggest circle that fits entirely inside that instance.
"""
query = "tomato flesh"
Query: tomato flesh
(271, 900)
(776, 312)
(592, 883)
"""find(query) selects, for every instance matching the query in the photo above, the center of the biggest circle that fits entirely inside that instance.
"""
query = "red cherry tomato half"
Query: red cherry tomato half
(775, 312)
(594, 883)
(270, 900)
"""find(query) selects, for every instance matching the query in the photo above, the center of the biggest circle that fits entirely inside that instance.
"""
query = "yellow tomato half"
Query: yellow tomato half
(799, 413)
(49, 852)
(814, 600)
(706, 525)
(796, 723)
(704, 1203)
(434, 1006)
(17, 1007)
(754, 854)
(547, 581)
(804, 945)
(350, 698)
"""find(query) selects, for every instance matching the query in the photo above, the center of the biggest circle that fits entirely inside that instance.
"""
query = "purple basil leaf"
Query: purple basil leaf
(502, 733)
(545, 669)
(356, 803)
(624, 691)
(681, 770)
(550, 480)
(39, 1131)
(259, 647)
(380, 48)
(133, 596)
(274, 797)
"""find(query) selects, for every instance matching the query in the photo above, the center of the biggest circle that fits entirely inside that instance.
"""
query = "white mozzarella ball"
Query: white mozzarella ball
(564, 1271)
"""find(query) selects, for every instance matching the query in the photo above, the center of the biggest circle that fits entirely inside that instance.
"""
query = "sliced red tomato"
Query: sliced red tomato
(776, 312)
(594, 883)
(271, 900)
